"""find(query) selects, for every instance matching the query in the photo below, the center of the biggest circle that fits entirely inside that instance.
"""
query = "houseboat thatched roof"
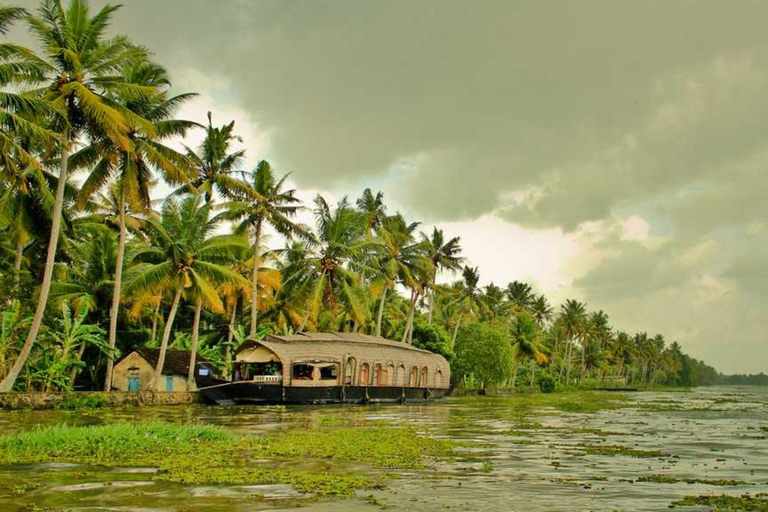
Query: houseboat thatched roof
(338, 346)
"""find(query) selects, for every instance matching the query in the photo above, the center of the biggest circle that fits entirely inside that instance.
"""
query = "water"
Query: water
(511, 457)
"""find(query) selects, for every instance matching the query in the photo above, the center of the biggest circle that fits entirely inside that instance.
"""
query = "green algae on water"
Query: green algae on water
(724, 502)
(206, 454)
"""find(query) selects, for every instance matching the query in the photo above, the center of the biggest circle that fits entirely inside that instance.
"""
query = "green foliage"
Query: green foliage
(547, 383)
(79, 402)
(430, 337)
(484, 352)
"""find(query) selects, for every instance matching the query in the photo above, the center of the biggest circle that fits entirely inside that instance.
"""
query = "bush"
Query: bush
(484, 352)
(547, 383)
(433, 338)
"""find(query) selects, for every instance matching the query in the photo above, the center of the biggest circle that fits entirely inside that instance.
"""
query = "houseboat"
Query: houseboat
(335, 367)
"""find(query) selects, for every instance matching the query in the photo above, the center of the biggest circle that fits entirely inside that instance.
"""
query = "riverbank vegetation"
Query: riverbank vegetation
(91, 268)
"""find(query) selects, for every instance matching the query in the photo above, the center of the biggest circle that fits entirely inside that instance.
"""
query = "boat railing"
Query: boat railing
(267, 379)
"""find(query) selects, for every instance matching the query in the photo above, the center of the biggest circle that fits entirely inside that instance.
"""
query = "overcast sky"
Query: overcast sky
(610, 151)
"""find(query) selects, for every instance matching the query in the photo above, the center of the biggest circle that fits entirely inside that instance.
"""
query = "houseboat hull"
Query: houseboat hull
(241, 393)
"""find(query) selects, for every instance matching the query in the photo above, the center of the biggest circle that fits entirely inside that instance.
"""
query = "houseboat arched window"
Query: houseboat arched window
(401, 378)
(389, 375)
(329, 371)
(414, 377)
(439, 379)
(424, 376)
(378, 377)
(349, 371)
(301, 371)
(365, 374)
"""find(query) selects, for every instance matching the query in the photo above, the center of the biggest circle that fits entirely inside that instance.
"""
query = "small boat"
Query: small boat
(333, 367)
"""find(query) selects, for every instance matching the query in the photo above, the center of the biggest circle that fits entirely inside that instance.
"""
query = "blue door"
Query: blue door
(133, 384)
(169, 382)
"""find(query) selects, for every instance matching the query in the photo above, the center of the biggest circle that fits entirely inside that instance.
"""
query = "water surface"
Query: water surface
(511, 456)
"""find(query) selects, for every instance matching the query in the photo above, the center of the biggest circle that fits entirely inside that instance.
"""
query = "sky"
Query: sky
(611, 151)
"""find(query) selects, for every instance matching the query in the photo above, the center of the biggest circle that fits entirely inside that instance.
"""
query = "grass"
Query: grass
(206, 454)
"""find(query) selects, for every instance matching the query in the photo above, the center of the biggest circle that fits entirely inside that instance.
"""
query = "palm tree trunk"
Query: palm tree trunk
(568, 353)
(17, 266)
(193, 351)
(410, 316)
(514, 375)
(255, 280)
(42, 300)
(381, 311)
(431, 298)
(154, 322)
(533, 371)
(228, 346)
(583, 362)
(455, 332)
(410, 319)
(166, 336)
(116, 293)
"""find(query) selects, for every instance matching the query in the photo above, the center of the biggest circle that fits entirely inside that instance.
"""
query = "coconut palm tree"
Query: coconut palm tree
(266, 204)
(373, 210)
(469, 298)
(493, 297)
(401, 259)
(186, 260)
(621, 351)
(520, 295)
(445, 255)
(326, 274)
(527, 343)
(151, 125)
(573, 323)
(541, 310)
(77, 68)
(23, 115)
(217, 170)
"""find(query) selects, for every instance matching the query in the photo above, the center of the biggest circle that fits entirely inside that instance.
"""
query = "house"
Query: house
(136, 371)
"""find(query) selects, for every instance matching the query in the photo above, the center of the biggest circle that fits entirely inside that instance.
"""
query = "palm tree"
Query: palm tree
(468, 298)
(621, 351)
(599, 332)
(494, 301)
(401, 259)
(22, 115)
(217, 169)
(445, 255)
(266, 204)
(77, 68)
(541, 310)
(573, 322)
(520, 295)
(326, 273)
(185, 259)
(151, 124)
(373, 210)
(527, 343)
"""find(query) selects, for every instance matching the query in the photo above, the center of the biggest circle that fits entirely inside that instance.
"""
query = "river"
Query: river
(512, 454)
